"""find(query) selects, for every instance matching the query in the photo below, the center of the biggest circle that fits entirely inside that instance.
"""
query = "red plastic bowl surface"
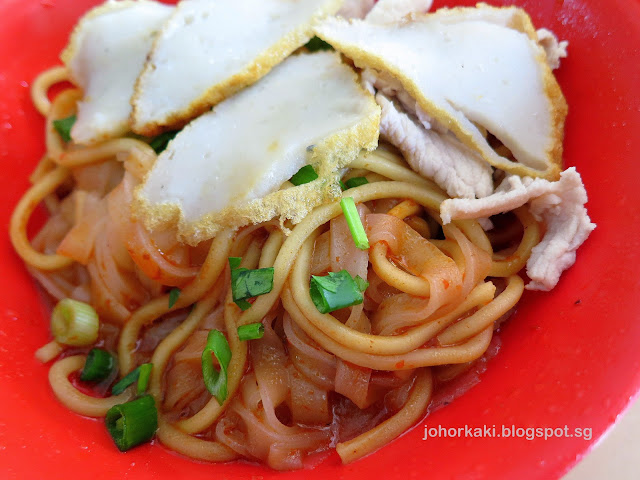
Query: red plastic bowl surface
(569, 357)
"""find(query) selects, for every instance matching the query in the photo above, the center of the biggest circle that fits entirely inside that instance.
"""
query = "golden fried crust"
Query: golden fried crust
(260, 66)
(559, 108)
(70, 50)
(294, 203)
(514, 18)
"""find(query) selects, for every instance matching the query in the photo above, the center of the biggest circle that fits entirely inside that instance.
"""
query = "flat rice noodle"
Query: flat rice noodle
(269, 361)
(184, 384)
(107, 306)
(321, 259)
(282, 457)
(351, 380)
(146, 254)
(349, 421)
(100, 178)
(79, 242)
(260, 436)
(316, 364)
(215, 319)
(140, 245)
(155, 333)
(51, 234)
(122, 284)
(321, 374)
(343, 251)
(390, 380)
(155, 289)
(118, 231)
(191, 352)
(477, 261)
(377, 291)
(119, 207)
(421, 258)
(174, 251)
(383, 205)
(396, 398)
(455, 387)
(118, 249)
(228, 433)
(250, 392)
(82, 293)
(309, 404)
(53, 283)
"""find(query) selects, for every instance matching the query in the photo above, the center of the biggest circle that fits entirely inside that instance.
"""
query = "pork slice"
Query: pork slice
(559, 204)
(441, 157)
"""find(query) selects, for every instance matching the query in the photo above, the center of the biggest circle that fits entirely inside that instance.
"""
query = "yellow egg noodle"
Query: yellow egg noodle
(374, 310)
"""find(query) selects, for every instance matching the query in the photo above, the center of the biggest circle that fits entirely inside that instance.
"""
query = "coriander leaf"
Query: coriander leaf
(63, 127)
(316, 44)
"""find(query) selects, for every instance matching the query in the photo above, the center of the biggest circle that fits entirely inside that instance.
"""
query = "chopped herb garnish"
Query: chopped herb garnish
(243, 304)
(246, 284)
(328, 283)
(130, 378)
(356, 182)
(336, 291)
(63, 127)
(355, 224)
(99, 365)
(132, 423)
(342, 185)
(252, 331)
(361, 283)
(173, 296)
(316, 44)
(214, 380)
(143, 378)
(305, 175)
(160, 142)
(234, 262)
(74, 323)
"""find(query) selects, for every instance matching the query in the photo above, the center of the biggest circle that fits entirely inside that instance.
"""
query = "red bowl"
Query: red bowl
(568, 358)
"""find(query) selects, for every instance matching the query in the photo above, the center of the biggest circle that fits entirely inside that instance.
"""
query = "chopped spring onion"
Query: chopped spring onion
(132, 423)
(234, 262)
(343, 186)
(243, 304)
(355, 224)
(214, 380)
(63, 127)
(99, 365)
(143, 378)
(336, 291)
(74, 323)
(246, 284)
(316, 44)
(159, 143)
(173, 296)
(361, 283)
(356, 182)
(305, 175)
(130, 378)
(252, 331)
